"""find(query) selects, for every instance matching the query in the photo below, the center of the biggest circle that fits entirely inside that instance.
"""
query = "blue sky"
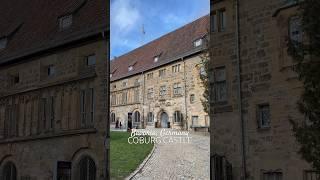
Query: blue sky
(158, 17)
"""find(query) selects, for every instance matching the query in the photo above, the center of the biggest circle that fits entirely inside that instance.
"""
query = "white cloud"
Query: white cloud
(124, 15)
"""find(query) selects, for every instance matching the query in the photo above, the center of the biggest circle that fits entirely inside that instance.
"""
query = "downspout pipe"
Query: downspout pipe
(105, 36)
(185, 92)
(243, 142)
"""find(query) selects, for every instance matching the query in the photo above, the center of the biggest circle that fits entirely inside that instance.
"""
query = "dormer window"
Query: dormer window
(198, 42)
(156, 59)
(65, 22)
(130, 68)
(110, 75)
(3, 43)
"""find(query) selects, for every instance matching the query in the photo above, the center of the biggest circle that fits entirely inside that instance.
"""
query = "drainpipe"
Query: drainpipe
(107, 99)
(143, 91)
(185, 91)
(243, 145)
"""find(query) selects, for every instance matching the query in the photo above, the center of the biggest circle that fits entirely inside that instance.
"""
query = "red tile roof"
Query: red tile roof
(171, 46)
(39, 24)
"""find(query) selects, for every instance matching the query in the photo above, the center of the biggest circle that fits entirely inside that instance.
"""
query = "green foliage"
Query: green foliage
(307, 57)
(205, 57)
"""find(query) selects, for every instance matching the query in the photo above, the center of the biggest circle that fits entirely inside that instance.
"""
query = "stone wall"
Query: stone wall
(266, 78)
(187, 78)
(42, 140)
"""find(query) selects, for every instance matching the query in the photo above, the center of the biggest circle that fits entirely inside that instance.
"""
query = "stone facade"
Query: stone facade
(43, 134)
(179, 85)
(269, 90)
(53, 110)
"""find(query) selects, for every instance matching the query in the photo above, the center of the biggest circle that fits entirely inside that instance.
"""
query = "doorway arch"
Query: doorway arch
(164, 119)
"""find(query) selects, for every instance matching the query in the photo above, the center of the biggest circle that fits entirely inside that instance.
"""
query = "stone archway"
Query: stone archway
(164, 119)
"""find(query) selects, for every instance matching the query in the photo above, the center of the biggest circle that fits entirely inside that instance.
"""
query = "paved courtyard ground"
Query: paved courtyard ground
(175, 161)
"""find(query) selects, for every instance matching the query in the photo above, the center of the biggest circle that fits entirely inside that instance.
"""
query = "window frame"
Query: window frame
(259, 116)
(163, 90)
(222, 84)
(177, 117)
(94, 60)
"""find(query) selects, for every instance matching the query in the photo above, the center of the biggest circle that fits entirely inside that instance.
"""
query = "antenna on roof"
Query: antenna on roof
(143, 34)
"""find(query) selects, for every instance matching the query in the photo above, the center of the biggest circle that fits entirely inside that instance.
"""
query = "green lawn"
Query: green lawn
(125, 157)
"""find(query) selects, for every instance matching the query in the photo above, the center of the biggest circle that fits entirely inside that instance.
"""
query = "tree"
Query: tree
(205, 61)
(307, 57)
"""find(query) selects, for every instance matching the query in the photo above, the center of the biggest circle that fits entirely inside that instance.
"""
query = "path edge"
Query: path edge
(144, 162)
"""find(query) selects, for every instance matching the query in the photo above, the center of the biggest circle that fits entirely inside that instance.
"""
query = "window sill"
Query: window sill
(49, 136)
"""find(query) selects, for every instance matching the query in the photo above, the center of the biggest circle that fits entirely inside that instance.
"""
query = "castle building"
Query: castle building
(254, 91)
(54, 85)
(159, 84)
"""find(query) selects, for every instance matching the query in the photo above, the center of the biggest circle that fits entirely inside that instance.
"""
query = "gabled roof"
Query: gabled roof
(171, 47)
(32, 26)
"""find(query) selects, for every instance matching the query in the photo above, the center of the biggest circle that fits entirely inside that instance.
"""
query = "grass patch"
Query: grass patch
(125, 157)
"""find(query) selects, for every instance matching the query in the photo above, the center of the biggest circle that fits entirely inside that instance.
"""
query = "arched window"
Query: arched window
(113, 117)
(9, 171)
(87, 169)
(177, 117)
(150, 117)
(136, 116)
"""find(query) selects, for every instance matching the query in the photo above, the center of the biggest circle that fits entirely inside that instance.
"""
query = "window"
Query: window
(149, 76)
(222, 169)
(124, 97)
(192, 98)
(222, 20)
(163, 90)
(130, 68)
(136, 116)
(220, 85)
(86, 169)
(198, 42)
(177, 117)
(150, 93)
(124, 83)
(11, 121)
(156, 59)
(14, 79)
(213, 22)
(202, 71)
(136, 95)
(162, 72)
(176, 68)
(3, 43)
(63, 170)
(177, 89)
(9, 171)
(263, 116)
(51, 70)
(51, 112)
(272, 176)
(65, 22)
(91, 60)
(113, 99)
(311, 175)
(113, 117)
(295, 29)
(195, 120)
(110, 75)
(87, 107)
(150, 117)
(206, 120)
(137, 82)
